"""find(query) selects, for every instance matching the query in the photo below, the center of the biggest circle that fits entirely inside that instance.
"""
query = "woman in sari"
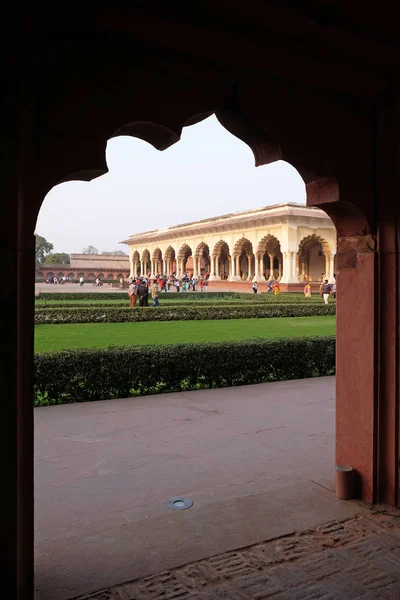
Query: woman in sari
(307, 290)
(276, 288)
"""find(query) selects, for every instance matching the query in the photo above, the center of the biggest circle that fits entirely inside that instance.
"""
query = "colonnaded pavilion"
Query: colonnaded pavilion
(287, 242)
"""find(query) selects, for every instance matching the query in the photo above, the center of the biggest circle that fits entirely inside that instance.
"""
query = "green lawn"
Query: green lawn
(50, 338)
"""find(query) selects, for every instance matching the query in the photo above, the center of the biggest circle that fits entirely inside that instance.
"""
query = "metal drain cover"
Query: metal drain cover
(179, 503)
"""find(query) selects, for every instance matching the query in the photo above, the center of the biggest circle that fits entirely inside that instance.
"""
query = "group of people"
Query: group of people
(141, 287)
(326, 290)
(273, 286)
(55, 280)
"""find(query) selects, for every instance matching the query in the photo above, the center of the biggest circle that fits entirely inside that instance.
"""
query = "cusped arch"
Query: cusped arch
(110, 276)
(50, 275)
(202, 249)
(170, 253)
(157, 254)
(100, 275)
(269, 244)
(243, 246)
(221, 248)
(185, 251)
(314, 240)
(91, 276)
(146, 255)
(71, 275)
(80, 275)
(135, 255)
(60, 275)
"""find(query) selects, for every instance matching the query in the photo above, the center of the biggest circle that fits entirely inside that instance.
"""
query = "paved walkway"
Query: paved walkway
(257, 461)
(355, 559)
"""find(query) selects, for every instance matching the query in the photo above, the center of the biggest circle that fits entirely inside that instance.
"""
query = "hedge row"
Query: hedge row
(166, 302)
(181, 296)
(85, 375)
(177, 313)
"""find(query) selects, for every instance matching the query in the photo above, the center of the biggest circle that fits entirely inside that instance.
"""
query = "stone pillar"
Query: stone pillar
(217, 272)
(331, 269)
(233, 274)
(238, 257)
(271, 267)
(280, 268)
(327, 266)
(289, 266)
(249, 270)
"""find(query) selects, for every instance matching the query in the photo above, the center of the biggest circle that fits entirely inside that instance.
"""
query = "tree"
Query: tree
(115, 253)
(90, 250)
(58, 258)
(42, 249)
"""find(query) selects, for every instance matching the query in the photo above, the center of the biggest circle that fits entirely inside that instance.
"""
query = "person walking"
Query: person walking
(326, 289)
(81, 281)
(154, 293)
(143, 293)
(255, 287)
(132, 293)
(307, 290)
(276, 288)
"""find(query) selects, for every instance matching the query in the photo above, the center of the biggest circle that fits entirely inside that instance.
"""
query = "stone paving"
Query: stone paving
(353, 559)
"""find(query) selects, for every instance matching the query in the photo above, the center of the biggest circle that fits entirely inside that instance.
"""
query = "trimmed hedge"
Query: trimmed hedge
(166, 301)
(85, 375)
(46, 316)
(181, 296)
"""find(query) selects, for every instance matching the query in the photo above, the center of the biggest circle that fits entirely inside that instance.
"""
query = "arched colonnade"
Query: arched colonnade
(240, 259)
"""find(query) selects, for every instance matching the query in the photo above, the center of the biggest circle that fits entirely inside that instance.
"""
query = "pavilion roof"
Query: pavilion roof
(250, 218)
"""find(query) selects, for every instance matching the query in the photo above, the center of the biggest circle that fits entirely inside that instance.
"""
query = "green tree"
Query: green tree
(90, 250)
(58, 258)
(42, 249)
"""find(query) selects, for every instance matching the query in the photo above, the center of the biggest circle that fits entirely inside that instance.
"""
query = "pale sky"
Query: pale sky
(207, 173)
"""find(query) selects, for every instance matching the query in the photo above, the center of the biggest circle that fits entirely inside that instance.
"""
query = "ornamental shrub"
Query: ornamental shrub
(107, 314)
(181, 296)
(100, 374)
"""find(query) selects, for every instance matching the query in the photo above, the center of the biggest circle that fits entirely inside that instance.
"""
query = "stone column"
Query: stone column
(271, 267)
(280, 268)
(327, 266)
(233, 275)
(289, 265)
(249, 277)
(331, 269)
(238, 257)
(217, 273)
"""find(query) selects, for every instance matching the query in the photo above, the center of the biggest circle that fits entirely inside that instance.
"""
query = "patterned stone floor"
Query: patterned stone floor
(358, 558)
